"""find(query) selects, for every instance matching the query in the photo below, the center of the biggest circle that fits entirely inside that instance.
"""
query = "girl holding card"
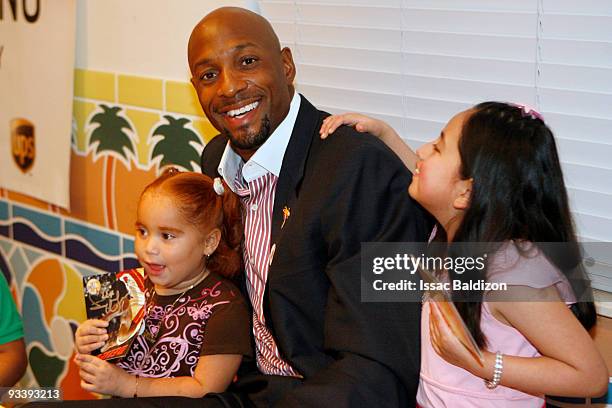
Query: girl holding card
(196, 331)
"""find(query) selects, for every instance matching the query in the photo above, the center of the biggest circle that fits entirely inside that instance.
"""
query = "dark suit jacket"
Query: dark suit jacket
(342, 191)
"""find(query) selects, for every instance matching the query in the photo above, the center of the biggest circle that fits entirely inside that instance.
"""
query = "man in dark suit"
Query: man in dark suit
(308, 205)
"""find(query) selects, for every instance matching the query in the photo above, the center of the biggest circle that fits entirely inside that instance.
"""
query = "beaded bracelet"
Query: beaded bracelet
(497, 372)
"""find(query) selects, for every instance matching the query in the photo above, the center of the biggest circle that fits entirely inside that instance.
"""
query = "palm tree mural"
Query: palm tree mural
(176, 146)
(109, 133)
(110, 136)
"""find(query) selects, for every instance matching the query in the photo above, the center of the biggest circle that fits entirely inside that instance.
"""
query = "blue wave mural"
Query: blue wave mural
(26, 234)
(78, 251)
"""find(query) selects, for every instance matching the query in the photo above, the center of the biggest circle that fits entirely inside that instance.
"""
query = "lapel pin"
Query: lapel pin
(286, 215)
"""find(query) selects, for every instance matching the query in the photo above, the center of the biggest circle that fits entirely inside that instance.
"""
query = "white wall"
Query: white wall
(140, 37)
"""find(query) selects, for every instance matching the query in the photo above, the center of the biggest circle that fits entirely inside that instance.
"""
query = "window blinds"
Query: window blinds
(416, 63)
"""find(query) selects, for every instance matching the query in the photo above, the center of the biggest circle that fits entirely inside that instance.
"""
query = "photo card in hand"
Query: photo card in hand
(119, 299)
(451, 315)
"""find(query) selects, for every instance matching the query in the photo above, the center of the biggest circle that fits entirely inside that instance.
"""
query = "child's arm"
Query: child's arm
(13, 362)
(213, 373)
(90, 335)
(376, 127)
(570, 364)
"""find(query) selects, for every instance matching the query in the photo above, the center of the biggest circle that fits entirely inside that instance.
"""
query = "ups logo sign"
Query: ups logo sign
(23, 142)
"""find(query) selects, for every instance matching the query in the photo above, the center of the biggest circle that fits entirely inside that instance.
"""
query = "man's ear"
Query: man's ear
(288, 65)
(464, 197)
(211, 242)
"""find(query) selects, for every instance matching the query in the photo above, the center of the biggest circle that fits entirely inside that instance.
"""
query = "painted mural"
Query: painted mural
(125, 130)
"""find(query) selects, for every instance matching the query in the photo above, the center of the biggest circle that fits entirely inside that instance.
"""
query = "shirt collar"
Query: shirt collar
(268, 158)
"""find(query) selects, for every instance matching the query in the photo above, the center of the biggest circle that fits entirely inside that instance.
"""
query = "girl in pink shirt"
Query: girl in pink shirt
(493, 176)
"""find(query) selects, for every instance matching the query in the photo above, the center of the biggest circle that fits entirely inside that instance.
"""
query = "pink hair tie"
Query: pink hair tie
(527, 110)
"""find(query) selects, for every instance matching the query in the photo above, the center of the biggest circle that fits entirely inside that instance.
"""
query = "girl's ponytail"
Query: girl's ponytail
(227, 259)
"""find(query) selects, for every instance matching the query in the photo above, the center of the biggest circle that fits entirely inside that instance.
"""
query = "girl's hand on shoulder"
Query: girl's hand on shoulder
(376, 127)
(100, 376)
(360, 122)
(447, 346)
(90, 335)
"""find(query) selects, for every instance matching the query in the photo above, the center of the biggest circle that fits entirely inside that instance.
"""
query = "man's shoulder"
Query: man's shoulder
(211, 155)
(353, 147)
(349, 137)
(345, 140)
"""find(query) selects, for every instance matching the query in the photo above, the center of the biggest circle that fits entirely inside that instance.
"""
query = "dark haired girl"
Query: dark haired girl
(493, 176)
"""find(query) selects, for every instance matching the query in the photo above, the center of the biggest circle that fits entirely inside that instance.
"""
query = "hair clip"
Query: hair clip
(527, 110)
(218, 186)
(170, 170)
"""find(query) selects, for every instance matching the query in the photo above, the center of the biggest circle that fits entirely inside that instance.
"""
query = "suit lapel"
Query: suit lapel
(294, 161)
(287, 187)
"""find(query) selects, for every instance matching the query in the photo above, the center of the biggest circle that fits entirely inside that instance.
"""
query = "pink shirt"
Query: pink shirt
(445, 385)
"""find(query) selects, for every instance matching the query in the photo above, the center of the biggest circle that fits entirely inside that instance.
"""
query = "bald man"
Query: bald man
(309, 204)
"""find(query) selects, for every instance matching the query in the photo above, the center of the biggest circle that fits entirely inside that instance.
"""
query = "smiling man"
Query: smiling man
(308, 206)
(241, 76)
